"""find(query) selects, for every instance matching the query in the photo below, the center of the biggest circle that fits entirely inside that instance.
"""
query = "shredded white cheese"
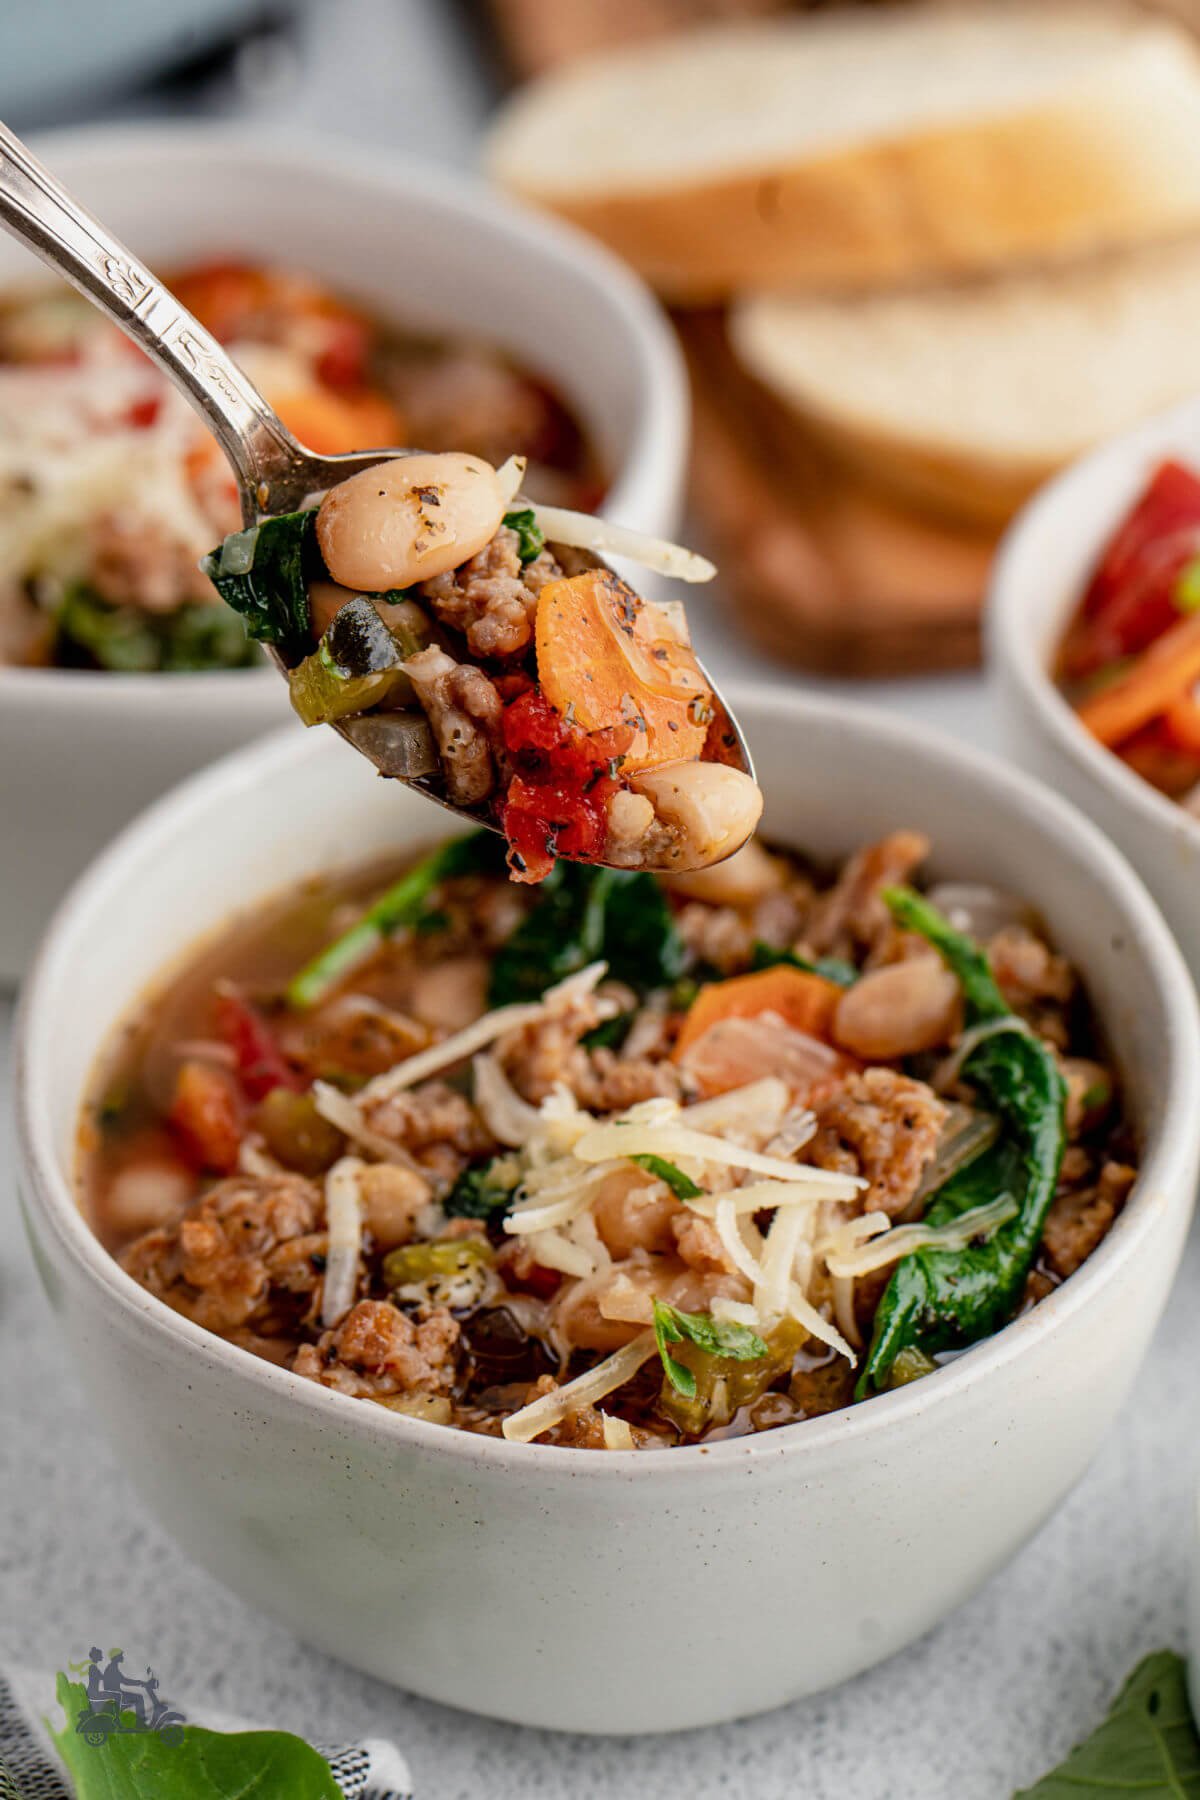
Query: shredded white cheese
(462, 1044)
(631, 1138)
(510, 1119)
(580, 531)
(618, 1433)
(343, 1215)
(540, 1415)
(980, 1222)
(343, 1112)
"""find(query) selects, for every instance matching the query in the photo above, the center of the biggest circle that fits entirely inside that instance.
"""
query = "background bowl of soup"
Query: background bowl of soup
(1040, 579)
(82, 749)
(558, 1587)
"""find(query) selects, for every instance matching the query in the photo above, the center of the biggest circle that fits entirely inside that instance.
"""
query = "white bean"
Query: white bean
(899, 1009)
(747, 877)
(713, 808)
(409, 519)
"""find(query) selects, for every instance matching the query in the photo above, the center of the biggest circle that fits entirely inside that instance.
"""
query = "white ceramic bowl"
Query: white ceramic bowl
(564, 1588)
(81, 753)
(1039, 579)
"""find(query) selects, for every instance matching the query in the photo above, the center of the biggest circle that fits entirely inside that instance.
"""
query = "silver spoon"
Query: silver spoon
(274, 473)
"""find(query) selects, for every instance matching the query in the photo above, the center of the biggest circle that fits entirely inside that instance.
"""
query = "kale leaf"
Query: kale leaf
(480, 1192)
(90, 632)
(1148, 1745)
(941, 1299)
(584, 914)
(272, 594)
(532, 539)
(766, 956)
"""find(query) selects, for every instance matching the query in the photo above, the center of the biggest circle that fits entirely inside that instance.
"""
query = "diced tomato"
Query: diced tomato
(538, 1280)
(144, 412)
(342, 362)
(1182, 723)
(206, 1117)
(261, 1065)
(1156, 754)
(1131, 598)
(557, 801)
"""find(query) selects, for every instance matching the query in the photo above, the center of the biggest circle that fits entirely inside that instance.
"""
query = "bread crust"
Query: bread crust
(1113, 163)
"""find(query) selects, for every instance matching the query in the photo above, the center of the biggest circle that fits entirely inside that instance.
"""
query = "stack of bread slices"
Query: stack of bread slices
(920, 259)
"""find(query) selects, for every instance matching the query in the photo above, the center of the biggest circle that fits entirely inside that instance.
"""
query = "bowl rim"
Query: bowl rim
(659, 429)
(1166, 1177)
(1010, 645)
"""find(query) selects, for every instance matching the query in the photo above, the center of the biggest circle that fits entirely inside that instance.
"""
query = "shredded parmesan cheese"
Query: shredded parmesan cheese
(343, 1214)
(980, 1222)
(540, 1415)
(462, 1044)
(345, 1113)
(510, 1119)
(630, 1138)
(618, 1433)
(580, 531)
(510, 475)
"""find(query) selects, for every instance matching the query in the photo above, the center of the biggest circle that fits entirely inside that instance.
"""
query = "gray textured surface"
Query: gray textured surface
(982, 1705)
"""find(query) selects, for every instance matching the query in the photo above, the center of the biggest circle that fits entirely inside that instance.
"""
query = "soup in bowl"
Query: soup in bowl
(730, 1475)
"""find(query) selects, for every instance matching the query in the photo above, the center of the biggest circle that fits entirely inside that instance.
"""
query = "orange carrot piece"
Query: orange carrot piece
(1158, 678)
(802, 1000)
(604, 659)
(1182, 721)
(332, 423)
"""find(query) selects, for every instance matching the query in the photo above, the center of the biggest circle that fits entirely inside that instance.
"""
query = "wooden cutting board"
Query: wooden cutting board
(822, 569)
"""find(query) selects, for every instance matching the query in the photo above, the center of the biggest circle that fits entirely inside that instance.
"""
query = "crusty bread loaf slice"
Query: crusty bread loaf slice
(856, 149)
(969, 395)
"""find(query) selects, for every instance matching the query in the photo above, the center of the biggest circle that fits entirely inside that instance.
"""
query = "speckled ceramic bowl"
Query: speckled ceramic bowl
(614, 1592)
(80, 752)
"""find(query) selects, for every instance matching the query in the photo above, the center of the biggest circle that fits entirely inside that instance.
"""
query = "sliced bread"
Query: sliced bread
(970, 395)
(850, 150)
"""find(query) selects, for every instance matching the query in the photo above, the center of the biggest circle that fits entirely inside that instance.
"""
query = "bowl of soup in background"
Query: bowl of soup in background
(518, 1580)
(81, 751)
(1040, 576)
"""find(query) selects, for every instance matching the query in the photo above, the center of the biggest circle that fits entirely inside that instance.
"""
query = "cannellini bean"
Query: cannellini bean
(408, 519)
(713, 808)
(145, 1194)
(743, 879)
(630, 816)
(898, 1010)
(391, 1199)
(633, 1211)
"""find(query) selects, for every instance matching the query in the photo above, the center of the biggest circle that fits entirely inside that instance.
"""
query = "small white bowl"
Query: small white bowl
(1039, 579)
(564, 1588)
(81, 753)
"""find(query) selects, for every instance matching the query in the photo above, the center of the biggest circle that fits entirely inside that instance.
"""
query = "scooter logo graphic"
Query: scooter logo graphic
(118, 1703)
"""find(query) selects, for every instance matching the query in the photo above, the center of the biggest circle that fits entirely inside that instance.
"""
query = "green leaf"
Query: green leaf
(610, 1034)
(583, 914)
(272, 594)
(529, 532)
(207, 1765)
(681, 1185)
(402, 905)
(1147, 1746)
(479, 1193)
(944, 1299)
(90, 631)
(766, 956)
(715, 1337)
(202, 637)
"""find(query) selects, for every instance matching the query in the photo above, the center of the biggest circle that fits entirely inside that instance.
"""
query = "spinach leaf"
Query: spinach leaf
(765, 956)
(940, 1299)
(715, 1337)
(583, 914)
(681, 1185)
(403, 904)
(91, 632)
(480, 1192)
(207, 1765)
(205, 637)
(532, 539)
(272, 594)
(1147, 1746)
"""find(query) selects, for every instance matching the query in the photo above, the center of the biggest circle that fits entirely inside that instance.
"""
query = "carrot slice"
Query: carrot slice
(332, 423)
(605, 658)
(1159, 676)
(804, 1001)
(1182, 721)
